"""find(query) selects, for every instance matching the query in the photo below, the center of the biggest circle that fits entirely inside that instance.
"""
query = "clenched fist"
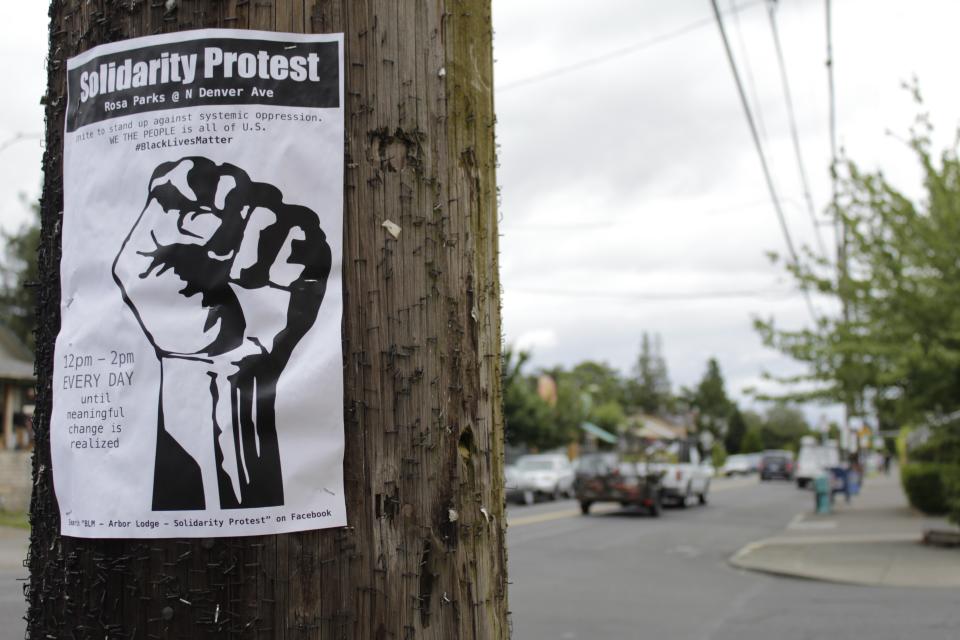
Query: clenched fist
(225, 279)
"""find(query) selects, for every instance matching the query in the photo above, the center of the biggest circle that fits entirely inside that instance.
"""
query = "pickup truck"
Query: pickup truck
(684, 481)
(606, 477)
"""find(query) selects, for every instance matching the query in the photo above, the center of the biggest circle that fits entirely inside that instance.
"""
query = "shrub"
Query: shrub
(929, 485)
(718, 455)
(952, 490)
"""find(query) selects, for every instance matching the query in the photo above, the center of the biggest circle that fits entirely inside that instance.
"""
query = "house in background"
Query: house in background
(17, 389)
(653, 428)
(17, 392)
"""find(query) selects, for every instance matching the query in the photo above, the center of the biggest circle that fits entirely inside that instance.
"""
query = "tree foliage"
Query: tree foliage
(649, 389)
(752, 441)
(18, 277)
(608, 416)
(783, 427)
(596, 392)
(527, 416)
(598, 380)
(736, 431)
(896, 349)
(710, 400)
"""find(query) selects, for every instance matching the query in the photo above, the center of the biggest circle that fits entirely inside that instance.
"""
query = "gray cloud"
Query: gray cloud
(637, 176)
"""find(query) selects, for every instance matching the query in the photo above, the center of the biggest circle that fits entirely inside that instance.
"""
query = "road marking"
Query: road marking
(556, 515)
(733, 484)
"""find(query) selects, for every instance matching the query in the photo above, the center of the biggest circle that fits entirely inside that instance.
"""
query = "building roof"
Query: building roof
(599, 433)
(16, 360)
(654, 428)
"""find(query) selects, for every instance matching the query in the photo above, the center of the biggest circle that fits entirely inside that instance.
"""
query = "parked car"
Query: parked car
(815, 459)
(776, 464)
(683, 481)
(606, 477)
(739, 464)
(539, 475)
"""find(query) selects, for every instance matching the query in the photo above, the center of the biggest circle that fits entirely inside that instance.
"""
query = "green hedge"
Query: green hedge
(930, 487)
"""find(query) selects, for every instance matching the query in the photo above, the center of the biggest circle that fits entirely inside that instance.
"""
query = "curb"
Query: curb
(740, 559)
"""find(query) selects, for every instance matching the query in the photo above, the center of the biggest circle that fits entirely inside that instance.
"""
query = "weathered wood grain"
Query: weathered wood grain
(423, 555)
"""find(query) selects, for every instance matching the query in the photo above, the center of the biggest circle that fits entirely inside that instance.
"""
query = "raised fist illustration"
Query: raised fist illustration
(225, 279)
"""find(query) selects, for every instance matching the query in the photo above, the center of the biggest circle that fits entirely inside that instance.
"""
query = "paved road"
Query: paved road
(13, 549)
(621, 576)
(618, 575)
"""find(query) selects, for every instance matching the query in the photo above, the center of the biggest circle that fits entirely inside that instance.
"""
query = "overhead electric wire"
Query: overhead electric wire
(771, 14)
(748, 74)
(18, 138)
(763, 159)
(617, 53)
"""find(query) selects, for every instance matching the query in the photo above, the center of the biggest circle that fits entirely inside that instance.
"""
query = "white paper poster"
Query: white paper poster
(198, 383)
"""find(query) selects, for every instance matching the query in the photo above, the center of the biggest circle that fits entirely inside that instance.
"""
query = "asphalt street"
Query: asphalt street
(13, 550)
(620, 575)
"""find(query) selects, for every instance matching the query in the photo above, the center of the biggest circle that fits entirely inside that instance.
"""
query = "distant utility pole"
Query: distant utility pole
(852, 398)
(423, 554)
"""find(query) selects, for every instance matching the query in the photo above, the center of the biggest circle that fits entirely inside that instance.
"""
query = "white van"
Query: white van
(815, 459)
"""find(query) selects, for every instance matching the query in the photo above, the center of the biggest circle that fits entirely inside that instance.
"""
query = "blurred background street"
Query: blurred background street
(729, 271)
(619, 574)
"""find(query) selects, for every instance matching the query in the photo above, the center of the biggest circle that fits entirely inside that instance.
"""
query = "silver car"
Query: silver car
(539, 475)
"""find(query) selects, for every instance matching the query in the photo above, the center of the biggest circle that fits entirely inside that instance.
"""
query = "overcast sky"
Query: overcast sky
(632, 196)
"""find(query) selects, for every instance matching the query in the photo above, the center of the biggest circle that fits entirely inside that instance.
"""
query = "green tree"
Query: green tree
(528, 418)
(598, 379)
(649, 389)
(589, 391)
(783, 427)
(736, 430)
(833, 432)
(710, 401)
(19, 276)
(896, 349)
(569, 412)
(608, 416)
(752, 441)
(752, 438)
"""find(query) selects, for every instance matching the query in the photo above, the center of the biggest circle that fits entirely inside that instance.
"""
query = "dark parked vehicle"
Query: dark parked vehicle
(606, 477)
(777, 464)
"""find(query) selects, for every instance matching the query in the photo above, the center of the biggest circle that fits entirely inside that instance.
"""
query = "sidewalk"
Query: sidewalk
(13, 548)
(875, 540)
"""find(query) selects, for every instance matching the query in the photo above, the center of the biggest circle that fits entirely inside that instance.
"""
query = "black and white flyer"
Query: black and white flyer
(198, 383)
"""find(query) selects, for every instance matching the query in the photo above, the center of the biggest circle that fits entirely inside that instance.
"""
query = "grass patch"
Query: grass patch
(16, 519)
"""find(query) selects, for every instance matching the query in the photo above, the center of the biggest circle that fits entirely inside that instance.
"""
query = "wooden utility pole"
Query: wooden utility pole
(423, 555)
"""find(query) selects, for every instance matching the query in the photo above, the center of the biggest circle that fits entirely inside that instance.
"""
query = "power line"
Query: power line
(771, 14)
(617, 53)
(748, 73)
(18, 138)
(763, 160)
